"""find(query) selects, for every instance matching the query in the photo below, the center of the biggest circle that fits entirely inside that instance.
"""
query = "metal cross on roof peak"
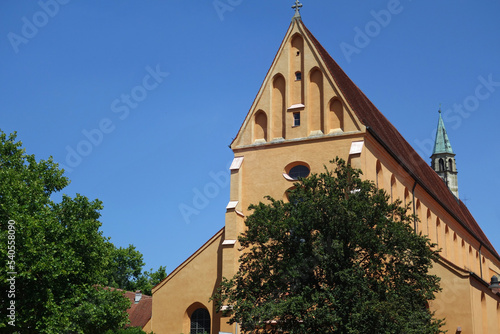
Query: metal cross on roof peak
(297, 7)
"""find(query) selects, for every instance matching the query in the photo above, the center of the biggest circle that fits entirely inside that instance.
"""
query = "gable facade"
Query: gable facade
(307, 112)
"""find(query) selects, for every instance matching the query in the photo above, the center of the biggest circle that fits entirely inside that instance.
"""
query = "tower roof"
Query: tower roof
(442, 143)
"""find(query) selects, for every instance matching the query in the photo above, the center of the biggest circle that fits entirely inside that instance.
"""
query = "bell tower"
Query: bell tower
(443, 158)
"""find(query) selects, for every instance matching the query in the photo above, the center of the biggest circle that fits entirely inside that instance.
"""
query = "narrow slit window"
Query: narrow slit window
(298, 76)
(296, 119)
(441, 165)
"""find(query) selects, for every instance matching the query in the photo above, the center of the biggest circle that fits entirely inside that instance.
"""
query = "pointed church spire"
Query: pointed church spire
(442, 143)
(443, 158)
(297, 7)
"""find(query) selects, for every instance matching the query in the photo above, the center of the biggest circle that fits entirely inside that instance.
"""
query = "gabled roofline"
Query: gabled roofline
(387, 135)
(382, 129)
(189, 259)
(311, 41)
(426, 188)
(259, 93)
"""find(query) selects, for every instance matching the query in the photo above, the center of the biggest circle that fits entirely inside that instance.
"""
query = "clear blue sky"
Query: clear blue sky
(83, 68)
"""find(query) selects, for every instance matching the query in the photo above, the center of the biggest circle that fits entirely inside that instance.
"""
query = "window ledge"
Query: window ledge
(296, 106)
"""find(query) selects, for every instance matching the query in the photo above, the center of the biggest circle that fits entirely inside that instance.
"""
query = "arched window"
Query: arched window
(315, 102)
(454, 249)
(484, 312)
(407, 197)
(420, 225)
(438, 233)
(447, 248)
(450, 165)
(470, 259)
(464, 255)
(278, 109)
(336, 115)
(297, 67)
(441, 165)
(393, 188)
(200, 322)
(430, 232)
(260, 129)
(379, 176)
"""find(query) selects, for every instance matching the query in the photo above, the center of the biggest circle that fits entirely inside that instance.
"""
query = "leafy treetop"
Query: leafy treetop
(336, 258)
(60, 258)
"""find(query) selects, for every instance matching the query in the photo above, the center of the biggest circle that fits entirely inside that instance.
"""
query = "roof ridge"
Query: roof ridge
(373, 119)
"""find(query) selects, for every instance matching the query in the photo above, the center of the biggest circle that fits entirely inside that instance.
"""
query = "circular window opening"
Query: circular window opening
(298, 171)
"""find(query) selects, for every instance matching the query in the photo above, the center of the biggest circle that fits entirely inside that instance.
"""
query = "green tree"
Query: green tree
(147, 281)
(56, 253)
(128, 330)
(125, 271)
(125, 268)
(336, 258)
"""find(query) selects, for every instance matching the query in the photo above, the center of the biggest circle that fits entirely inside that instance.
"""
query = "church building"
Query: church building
(307, 112)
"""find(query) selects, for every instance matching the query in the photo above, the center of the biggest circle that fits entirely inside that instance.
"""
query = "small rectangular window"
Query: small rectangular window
(296, 119)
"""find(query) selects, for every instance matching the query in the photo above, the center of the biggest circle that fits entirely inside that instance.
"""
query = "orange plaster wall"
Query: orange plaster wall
(147, 328)
(454, 302)
(263, 169)
(191, 284)
(459, 302)
(315, 142)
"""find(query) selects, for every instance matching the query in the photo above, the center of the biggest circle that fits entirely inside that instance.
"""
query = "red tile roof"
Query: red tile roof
(140, 313)
(379, 126)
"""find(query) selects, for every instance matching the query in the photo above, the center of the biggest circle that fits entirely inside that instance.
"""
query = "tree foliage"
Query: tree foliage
(148, 279)
(336, 258)
(125, 271)
(128, 330)
(57, 255)
(125, 268)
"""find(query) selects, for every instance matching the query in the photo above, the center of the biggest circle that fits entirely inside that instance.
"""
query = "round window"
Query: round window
(298, 171)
